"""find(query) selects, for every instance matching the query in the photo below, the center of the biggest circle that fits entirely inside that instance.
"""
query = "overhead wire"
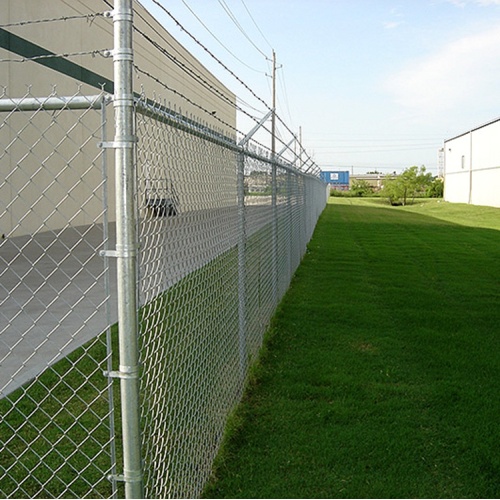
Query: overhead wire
(218, 40)
(256, 25)
(180, 26)
(231, 16)
(190, 72)
(226, 68)
(285, 94)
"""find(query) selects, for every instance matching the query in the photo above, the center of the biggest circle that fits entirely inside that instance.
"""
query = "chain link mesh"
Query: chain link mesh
(221, 231)
(56, 407)
(215, 259)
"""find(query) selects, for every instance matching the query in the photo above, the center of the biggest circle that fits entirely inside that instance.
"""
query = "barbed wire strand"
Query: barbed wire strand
(189, 71)
(195, 76)
(246, 86)
(199, 106)
(234, 75)
(226, 68)
(185, 67)
(93, 53)
(88, 17)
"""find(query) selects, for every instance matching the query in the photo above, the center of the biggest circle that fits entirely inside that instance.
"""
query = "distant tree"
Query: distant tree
(436, 188)
(412, 182)
(361, 187)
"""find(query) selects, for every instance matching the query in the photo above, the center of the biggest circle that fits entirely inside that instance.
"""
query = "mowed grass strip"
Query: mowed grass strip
(379, 377)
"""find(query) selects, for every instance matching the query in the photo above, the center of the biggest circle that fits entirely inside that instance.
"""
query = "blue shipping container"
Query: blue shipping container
(336, 178)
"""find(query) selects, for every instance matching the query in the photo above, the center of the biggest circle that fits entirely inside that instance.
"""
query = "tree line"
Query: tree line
(414, 182)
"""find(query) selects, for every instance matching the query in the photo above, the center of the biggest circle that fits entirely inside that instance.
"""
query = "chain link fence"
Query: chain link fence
(221, 230)
(57, 300)
(220, 237)
(219, 226)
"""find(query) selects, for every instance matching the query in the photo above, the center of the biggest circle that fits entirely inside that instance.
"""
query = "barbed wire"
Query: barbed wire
(185, 68)
(187, 99)
(179, 25)
(88, 17)
(93, 53)
(195, 76)
(206, 111)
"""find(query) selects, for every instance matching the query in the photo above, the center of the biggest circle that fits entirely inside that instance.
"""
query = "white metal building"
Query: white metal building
(472, 166)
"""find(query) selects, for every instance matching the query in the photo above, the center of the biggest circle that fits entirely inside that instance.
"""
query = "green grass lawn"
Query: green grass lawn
(379, 377)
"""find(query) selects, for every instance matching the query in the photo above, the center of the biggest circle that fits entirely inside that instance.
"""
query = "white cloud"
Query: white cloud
(389, 25)
(462, 73)
(483, 3)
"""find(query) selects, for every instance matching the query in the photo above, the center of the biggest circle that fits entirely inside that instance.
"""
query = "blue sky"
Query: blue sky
(373, 84)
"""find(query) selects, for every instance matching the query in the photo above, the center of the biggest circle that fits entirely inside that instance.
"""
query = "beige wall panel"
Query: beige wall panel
(97, 34)
(53, 163)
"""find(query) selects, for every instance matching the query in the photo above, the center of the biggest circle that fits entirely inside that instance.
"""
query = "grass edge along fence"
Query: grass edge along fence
(378, 378)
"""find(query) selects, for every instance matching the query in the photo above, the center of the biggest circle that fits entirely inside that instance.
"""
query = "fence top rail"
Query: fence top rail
(148, 108)
(53, 103)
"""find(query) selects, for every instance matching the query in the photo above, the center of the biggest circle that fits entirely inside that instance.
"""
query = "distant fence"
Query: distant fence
(215, 229)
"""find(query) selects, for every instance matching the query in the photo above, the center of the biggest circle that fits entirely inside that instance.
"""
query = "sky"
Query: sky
(373, 85)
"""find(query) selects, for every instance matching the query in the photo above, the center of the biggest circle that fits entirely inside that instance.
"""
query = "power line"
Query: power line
(181, 27)
(192, 74)
(285, 93)
(228, 11)
(425, 140)
(365, 151)
(229, 71)
(217, 39)
(388, 147)
(208, 85)
(256, 25)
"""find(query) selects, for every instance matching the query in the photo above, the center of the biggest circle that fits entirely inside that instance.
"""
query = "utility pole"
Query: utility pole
(273, 117)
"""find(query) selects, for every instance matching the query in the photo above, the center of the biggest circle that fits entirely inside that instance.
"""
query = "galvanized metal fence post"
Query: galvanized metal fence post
(126, 247)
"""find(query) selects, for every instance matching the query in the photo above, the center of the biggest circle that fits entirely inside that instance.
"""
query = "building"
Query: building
(472, 166)
(61, 49)
(375, 180)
